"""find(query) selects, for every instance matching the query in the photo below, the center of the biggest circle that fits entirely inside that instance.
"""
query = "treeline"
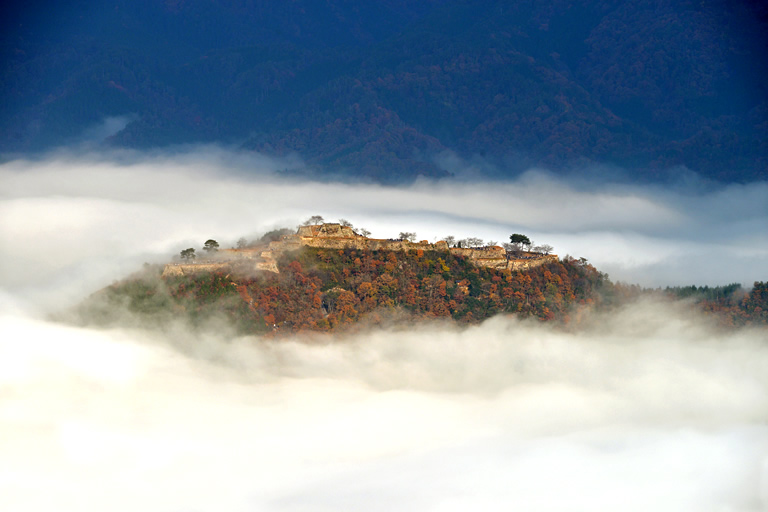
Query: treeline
(733, 305)
(727, 293)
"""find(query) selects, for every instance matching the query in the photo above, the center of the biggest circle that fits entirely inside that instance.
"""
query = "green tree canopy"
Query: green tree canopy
(517, 238)
(188, 254)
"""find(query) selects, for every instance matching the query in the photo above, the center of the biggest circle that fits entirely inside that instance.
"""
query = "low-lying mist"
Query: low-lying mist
(100, 216)
(649, 407)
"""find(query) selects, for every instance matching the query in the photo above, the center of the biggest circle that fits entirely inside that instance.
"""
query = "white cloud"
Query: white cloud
(107, 127)
(646, 409)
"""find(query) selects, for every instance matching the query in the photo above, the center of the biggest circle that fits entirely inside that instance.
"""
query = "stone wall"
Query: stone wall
(327, 231)
(529, 263)
(492, 257)
(186, 269)
(336, 236)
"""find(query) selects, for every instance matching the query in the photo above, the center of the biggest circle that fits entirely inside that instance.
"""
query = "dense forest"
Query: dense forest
(330, 290)
(731, 303)
(382, 89)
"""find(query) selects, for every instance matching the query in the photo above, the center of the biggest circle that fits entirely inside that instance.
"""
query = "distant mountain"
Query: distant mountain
(378, 89)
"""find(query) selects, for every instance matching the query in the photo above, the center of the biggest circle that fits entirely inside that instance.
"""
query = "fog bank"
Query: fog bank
(96, 217)
(649, 408)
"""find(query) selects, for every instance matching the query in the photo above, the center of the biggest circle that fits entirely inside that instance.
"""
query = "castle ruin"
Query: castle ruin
(336, 236)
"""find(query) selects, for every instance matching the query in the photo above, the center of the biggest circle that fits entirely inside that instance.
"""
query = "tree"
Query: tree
(407, 235)
(519, 241)
(450, 240)
(242, 243)
(364, 232)
(345, 223)
(211, 246)
(517, 238)
(471, 242)
(314, 220)
(188, 254)
(543, 248)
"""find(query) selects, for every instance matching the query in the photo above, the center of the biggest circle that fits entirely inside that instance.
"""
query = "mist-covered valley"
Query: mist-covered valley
(647, 409)
(630, 136)
(651, 405)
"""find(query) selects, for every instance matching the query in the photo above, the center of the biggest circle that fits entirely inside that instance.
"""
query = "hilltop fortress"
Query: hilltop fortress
(336, 236)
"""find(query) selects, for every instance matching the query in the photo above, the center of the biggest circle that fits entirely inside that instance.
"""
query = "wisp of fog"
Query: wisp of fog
(650, 407)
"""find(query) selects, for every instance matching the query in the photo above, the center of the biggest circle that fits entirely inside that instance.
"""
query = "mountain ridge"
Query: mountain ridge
(379, 90)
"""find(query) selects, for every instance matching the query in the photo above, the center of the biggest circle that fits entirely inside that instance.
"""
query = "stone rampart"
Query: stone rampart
(529, 263)
(186, 269)
(336, 236)
(327, 231)
(479, 253)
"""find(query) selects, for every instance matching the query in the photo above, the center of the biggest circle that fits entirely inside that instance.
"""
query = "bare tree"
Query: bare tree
(345, 223)
(407, 235)
(450, 240)
(242, 243)
(364, 232)
(514, 250)
(314, 220)
(473, 241)
(543, 248)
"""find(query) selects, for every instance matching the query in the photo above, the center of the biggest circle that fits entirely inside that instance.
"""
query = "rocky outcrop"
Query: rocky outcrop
(336, 236)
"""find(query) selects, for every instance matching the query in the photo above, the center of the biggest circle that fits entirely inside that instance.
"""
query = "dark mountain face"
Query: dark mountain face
(378, 89)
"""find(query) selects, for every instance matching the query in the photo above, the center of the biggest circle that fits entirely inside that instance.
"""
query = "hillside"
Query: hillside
(380, 90)
(316, 289)
(319, 289)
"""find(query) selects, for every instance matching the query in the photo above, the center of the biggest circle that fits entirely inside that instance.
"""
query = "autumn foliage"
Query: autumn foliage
(325, 289)
(321, 290)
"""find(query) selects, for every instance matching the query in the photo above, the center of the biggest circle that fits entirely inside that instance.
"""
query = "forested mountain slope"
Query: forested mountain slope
(379, 89)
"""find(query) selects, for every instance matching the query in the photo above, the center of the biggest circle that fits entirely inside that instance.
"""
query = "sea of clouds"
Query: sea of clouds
(650, 407)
